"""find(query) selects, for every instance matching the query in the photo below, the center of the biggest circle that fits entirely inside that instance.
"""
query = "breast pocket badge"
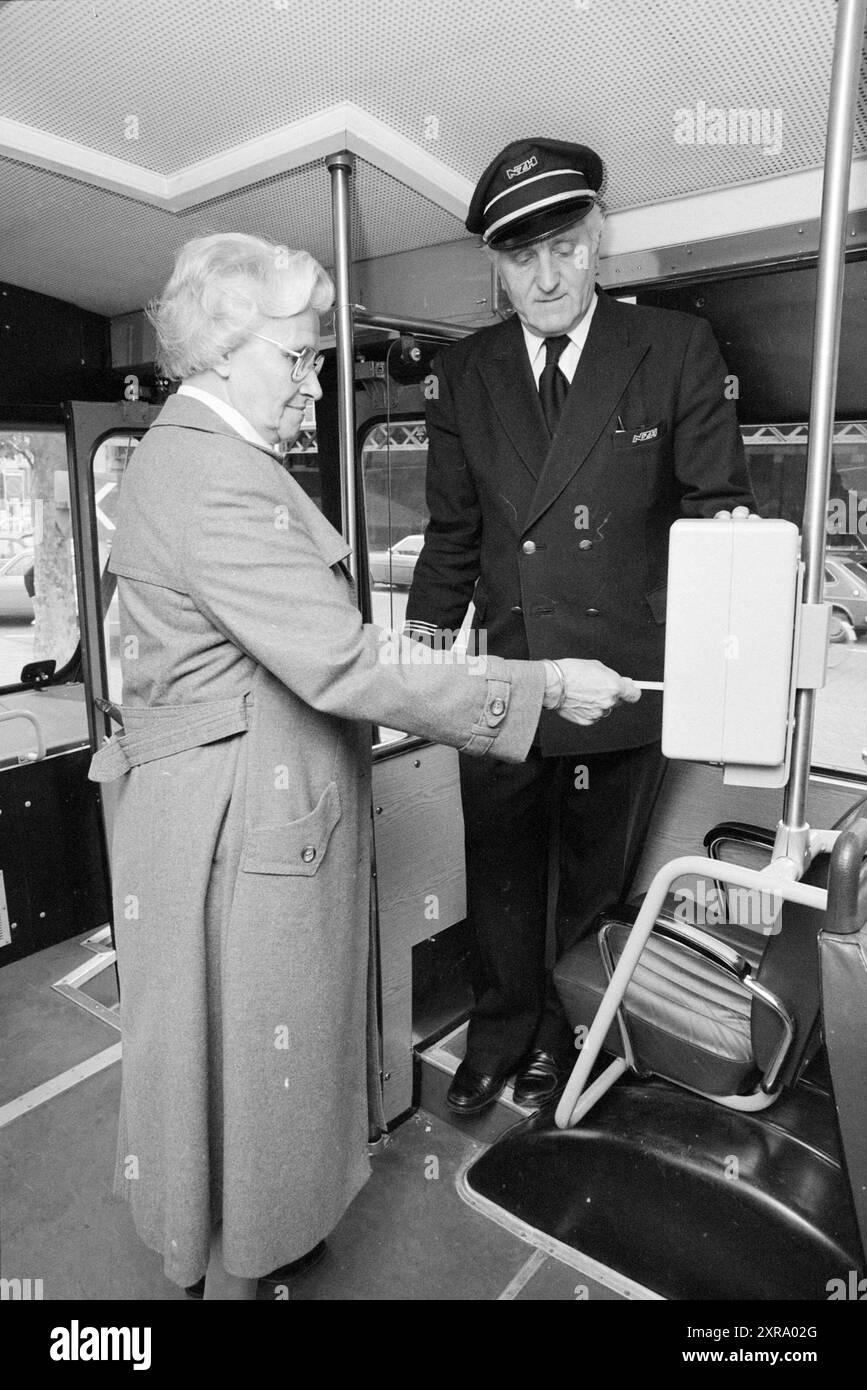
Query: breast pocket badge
(624, 438)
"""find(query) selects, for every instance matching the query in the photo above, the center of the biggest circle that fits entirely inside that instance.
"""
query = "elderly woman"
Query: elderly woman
(241, 845)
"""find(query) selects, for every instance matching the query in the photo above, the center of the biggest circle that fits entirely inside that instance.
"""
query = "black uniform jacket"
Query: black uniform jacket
(563, 545)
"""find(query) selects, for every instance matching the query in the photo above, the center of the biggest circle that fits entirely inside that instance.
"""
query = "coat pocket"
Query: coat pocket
(295, 846)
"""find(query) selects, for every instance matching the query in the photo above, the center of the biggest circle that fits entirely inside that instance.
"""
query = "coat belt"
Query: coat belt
(158, 731)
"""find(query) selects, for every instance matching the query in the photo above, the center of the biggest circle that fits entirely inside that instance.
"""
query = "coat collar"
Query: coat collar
(508, 378)
(188, 413)
(614, 348)
(610, 358)
(192, 414)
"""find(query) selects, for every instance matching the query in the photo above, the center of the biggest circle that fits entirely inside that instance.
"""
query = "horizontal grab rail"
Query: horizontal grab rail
(423, 328)
(25, 714)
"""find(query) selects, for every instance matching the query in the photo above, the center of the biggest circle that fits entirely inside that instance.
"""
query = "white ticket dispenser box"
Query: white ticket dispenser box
(731, 634)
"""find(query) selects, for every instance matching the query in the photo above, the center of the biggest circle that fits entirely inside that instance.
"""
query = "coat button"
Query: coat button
(592, 612)
(517, 609)
(529, 547)
(498, 706)
(585, 545)
(308, 854)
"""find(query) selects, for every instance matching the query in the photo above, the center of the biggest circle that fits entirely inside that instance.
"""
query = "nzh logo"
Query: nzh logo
(518, 169)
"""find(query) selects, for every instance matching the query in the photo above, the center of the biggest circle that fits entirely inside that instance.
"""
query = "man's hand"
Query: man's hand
(739, 514)
(591, 691)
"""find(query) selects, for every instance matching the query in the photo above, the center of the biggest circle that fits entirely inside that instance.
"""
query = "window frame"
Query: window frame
(42, 420)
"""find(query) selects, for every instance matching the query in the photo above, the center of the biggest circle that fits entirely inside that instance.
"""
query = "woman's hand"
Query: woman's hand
(586, 691)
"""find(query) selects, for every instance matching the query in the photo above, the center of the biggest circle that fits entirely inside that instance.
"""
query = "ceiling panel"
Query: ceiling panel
(458, 79)
(111, 254)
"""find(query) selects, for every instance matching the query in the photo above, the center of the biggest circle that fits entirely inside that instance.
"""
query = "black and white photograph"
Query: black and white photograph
(433, 670)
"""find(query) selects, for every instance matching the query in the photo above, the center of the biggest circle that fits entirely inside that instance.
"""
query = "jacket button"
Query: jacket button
(498, 706)
(585, 545)
(517, 609)
(308, 854)
(592, 612)
(529, 547)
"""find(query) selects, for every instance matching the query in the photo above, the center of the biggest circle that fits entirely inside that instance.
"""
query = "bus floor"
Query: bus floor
(407, 1236)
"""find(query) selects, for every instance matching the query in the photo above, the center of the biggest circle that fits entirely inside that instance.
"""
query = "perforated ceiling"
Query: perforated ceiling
(164, 85)
(111, 254)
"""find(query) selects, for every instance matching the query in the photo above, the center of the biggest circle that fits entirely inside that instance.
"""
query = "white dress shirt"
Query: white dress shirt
(230, 415)
(570, 355)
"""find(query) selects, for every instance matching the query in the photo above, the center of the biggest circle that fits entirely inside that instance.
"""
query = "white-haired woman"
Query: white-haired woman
(241, 840)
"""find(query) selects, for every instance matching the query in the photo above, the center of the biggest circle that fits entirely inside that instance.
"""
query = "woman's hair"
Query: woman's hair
(221, 287)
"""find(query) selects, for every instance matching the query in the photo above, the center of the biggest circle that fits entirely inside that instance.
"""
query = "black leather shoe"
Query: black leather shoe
(296, 1267)
(472, 1091)
(540, 1078)
(277, 1276)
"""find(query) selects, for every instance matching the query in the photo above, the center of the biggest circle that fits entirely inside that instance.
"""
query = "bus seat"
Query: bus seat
(723, 1008)
(843, 955)
(790, 960)
(697, 1010)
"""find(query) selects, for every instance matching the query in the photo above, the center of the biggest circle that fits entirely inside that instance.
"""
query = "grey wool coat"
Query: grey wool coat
(241, 846)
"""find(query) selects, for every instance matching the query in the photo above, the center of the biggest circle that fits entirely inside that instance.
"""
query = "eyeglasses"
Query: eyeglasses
(306, 360)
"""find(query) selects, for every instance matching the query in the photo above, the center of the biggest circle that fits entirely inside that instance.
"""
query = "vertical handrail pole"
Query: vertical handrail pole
(340, 167)
(826, 350)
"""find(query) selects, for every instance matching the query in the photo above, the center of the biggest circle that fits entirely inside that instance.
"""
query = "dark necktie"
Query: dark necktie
(553, 385)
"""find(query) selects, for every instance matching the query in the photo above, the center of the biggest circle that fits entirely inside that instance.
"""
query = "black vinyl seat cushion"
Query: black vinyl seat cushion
(688, 1019)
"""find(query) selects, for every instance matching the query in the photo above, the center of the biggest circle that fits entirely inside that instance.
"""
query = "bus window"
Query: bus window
(777, 459)
(38, 609)
(393, 462)
(393, 466)
(302, 460)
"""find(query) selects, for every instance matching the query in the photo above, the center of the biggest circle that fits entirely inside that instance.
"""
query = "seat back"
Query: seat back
(843, 963)
(789, 966)
(726, 1008)
(789, 969)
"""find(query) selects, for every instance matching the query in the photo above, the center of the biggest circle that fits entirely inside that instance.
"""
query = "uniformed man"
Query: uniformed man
(563, 444)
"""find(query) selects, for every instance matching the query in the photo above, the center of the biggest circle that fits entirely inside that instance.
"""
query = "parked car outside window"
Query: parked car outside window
(846, 590)
(396, 566)
(14, 542)
(15, 596)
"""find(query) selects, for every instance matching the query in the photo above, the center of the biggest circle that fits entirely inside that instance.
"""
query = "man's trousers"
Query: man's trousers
(598, 806)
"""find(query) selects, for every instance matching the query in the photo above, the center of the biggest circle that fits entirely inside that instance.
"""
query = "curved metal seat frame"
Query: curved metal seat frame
(777, 879)
(707, 948)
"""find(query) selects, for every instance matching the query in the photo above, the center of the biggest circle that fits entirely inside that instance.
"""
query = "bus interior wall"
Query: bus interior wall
(51, 351)
(763, 322)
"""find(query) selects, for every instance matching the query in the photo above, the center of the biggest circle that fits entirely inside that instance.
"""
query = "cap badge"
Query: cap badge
(518, 169)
